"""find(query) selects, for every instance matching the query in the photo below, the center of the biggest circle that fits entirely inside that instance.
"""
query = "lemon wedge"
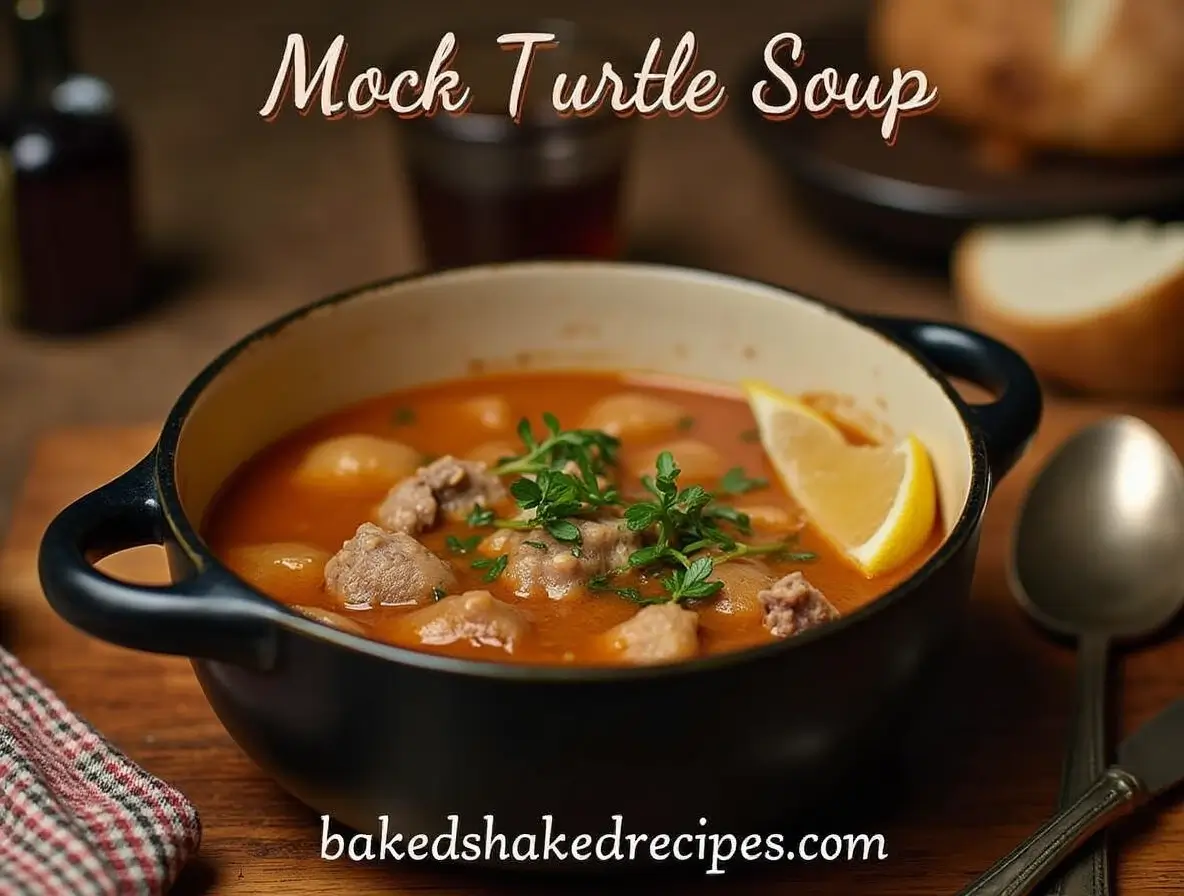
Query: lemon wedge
(876, 504)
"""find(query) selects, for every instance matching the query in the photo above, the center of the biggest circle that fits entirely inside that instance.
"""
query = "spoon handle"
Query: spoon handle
(1111, 796)
(1089, 874)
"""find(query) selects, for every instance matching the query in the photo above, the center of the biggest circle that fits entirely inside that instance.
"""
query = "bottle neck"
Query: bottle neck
(42, 36)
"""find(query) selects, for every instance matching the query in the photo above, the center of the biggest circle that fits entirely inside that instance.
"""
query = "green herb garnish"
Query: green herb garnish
(737, 482)
(554, 497)
(687, 522)
(601, 584)
(739, 520)
(750, 435)
(589, 451)
(561, 480)
(681, 516)
(480, 517)
(688, 533)
(403, 417)
(462, 545)
(693, 582)
(493, 566)
(685, 423)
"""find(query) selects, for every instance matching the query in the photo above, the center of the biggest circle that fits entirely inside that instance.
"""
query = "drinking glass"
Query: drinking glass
(487, 188)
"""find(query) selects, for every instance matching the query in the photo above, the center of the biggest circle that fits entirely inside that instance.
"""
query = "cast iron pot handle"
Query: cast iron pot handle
(205, 616)
(1010, 421)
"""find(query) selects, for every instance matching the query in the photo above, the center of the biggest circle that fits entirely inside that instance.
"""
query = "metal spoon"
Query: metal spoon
(1150, 763)
(1098, 555)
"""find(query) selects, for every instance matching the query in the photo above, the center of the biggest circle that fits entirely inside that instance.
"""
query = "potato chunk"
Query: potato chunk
(634, 417)
(661, 633)
(699, 462)
(493, 412)
(357, 460)
(490, 453)
(280, 567)
(739, 599)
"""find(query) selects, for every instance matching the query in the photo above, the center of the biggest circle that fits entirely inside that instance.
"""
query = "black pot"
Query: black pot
(749, 741)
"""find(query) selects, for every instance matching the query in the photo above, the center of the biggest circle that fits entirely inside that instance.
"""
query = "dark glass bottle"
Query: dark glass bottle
(69, 254)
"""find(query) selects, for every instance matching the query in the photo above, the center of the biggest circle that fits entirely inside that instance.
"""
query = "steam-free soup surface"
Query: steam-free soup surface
(639, 522)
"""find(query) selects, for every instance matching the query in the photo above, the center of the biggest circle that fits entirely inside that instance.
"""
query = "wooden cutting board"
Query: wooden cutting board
(980, 776)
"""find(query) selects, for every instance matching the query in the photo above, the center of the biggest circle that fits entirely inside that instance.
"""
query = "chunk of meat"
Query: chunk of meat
(743, 581)
(331, 619)
(279, 567)
(475, 616)
(446, 486)
(661, 633)
(357, 459)
(698, 461)
(792, 605)
(634, 417)
(540, 566)
(390, 569)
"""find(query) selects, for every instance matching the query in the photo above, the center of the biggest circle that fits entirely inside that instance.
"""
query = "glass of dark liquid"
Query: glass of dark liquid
(488, 188)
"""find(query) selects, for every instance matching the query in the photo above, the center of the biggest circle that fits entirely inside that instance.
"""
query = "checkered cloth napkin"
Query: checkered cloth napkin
(77, 817)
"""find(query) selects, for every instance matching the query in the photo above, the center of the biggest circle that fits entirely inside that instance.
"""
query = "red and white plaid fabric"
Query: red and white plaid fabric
(77, 817)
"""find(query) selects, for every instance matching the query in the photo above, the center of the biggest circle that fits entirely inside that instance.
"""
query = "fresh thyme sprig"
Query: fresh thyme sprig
(591, 451)
(737, 482)
(556, 498)
(493, 566)
(563, 480)
(687, 521)
(602, 583)
(457, 545)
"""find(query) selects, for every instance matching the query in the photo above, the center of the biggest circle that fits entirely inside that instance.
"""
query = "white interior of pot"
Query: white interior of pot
(555, 315)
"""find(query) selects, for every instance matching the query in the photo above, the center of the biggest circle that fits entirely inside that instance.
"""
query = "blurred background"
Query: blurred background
(240, 219)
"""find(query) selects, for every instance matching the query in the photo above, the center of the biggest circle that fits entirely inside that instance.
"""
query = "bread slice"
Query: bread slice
(1092, 303)
(1097, 77)
(1082, 27)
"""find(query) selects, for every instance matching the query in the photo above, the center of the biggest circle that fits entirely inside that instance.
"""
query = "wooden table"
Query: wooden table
(981, 773)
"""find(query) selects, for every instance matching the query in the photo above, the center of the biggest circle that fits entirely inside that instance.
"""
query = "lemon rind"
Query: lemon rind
(901, 535)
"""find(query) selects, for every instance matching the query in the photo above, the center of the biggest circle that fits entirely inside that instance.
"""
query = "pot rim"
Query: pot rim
(190, 541)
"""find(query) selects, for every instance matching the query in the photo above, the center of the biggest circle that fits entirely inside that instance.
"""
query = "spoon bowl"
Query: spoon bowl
(1098, 556)
(1099, 546)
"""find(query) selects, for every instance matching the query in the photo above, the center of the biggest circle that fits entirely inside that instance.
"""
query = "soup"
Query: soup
(549, 518)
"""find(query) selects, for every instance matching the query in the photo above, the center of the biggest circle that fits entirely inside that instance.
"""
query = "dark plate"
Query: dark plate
(922, 192)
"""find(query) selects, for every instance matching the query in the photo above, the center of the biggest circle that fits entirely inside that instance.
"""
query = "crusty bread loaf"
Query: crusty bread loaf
(1099, 77)
(1095, 304)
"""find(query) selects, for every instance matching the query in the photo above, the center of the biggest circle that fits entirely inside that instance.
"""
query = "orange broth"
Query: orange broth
(264, 503)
